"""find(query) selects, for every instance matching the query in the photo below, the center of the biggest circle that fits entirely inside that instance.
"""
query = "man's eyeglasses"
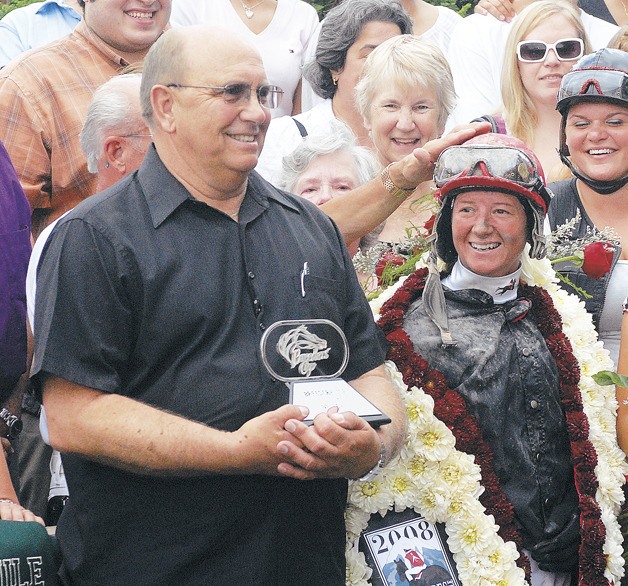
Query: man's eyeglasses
(268, 96)
(565, 49)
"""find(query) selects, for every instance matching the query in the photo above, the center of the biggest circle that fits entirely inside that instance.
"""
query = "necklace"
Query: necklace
(248, 10)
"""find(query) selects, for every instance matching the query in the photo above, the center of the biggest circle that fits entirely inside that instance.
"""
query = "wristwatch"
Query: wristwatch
(373, 472)
(14, 423)
(390, 186)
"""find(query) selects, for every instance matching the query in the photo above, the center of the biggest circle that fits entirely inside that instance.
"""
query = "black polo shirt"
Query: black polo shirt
(145, 292)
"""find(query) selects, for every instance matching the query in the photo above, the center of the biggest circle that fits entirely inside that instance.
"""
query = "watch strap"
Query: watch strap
(390, 186)
(14, 423)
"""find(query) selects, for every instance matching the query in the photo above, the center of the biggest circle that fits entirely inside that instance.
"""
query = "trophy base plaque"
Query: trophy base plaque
(320, 395)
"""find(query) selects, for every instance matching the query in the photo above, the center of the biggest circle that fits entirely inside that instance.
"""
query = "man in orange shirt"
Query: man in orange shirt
(45, 93)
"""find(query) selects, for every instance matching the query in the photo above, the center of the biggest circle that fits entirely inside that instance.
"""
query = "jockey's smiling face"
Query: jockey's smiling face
(489, 232)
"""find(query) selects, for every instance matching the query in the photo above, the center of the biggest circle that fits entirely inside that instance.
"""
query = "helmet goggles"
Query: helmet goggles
(490, 161)
(609, 83)
(496, 168)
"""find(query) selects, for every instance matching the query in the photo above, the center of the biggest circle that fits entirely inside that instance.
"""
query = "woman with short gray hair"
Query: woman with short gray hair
(341, 165)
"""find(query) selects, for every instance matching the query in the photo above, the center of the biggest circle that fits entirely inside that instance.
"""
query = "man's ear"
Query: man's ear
(163, 108)
(113, 150)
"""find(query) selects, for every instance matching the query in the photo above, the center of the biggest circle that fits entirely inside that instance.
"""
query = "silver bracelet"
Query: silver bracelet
(8, 501)
(373, 472)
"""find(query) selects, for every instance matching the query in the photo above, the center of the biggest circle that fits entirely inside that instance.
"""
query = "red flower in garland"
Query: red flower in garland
(435, 385)
(584, 452)
(598, 259)
(450, 409)
(572, 399)
(577, 426)
(568, 368)
(468, 432)
(585, 477)
(387, 259)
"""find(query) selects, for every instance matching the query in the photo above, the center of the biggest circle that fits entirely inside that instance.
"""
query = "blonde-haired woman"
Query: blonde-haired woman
(545, 41)
(405, 95)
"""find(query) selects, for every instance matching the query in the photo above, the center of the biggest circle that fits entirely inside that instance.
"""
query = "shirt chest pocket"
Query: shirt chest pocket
(319, 297)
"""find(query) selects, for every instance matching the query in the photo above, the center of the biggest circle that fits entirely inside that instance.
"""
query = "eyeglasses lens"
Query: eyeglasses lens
(269, 96)
(569, 50)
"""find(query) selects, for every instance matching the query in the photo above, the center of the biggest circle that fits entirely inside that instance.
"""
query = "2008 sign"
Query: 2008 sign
(425, 533)
(405, 548)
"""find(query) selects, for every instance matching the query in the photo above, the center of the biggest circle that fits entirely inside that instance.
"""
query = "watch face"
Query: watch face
(15, 428)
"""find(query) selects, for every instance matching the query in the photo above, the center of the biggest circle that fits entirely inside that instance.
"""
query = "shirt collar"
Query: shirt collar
(501, 289)
(45, 7)
(164, 194)
(82, 30)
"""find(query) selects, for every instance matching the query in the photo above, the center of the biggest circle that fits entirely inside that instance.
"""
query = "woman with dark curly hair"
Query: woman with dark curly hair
(349, 33)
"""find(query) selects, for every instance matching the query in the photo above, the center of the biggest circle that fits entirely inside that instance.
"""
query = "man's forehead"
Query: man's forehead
(246, 70)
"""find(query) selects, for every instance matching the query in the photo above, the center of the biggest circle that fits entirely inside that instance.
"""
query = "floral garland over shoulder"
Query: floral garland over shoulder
(444, 470)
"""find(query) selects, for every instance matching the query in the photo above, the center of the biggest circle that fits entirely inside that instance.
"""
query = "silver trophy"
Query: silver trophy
(309, 356)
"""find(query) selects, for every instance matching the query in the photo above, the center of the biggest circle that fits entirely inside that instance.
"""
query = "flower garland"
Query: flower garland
(435, 472)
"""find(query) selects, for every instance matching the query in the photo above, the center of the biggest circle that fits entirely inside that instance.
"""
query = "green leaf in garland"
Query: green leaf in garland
(608, 377)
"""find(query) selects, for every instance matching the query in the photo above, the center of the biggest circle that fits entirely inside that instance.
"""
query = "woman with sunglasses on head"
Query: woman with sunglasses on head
(545, 41)
(593, 103)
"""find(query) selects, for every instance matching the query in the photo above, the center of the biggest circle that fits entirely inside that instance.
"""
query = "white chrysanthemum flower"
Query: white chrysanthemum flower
(613, 547)
(616, 468)
(460, 472)
(358, 573)
(464, 506)
(591, 395)
(608, 491)
(419, 409)
(602, 426)
(356, 521)
(420, 469)
(433, 503)
(537, 272)
(435, 441)
(472, 535)
(494, 567)
(399, 485)
(371, 496)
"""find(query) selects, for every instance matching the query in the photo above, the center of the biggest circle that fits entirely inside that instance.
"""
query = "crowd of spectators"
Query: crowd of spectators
(147, 242)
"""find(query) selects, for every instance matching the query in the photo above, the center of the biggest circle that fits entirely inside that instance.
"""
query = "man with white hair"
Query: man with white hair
(115, 137)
